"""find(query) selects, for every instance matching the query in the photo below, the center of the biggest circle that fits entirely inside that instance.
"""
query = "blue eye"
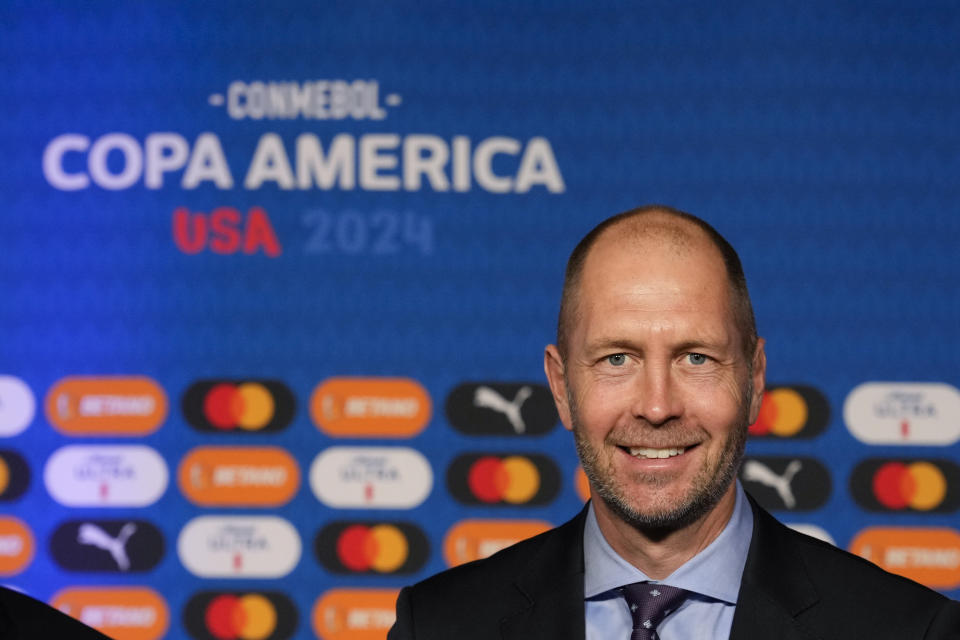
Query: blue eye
(617, 359)
(696, 358)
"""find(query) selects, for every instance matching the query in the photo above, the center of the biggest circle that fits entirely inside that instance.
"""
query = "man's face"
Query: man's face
(655, 386)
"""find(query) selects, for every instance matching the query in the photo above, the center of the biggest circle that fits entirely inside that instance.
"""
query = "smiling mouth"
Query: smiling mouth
(652, 454)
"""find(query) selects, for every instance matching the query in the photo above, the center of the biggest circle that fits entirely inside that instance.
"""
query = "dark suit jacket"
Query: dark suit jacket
(794, 587)
(23, 618)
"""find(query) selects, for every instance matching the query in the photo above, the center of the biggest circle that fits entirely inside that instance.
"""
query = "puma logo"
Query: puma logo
(93, 535)
(487, 398)
(759, 472)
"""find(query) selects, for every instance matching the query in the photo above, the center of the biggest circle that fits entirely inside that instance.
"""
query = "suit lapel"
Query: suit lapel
(775, 588)
(552, 588)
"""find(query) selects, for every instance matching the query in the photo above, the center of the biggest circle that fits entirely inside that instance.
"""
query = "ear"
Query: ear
(759, 379)
(553, 367)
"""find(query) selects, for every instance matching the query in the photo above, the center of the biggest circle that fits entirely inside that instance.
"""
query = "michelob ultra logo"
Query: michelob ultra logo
(795, 411)
(14, 475)
(17, 406)
(930, 556)
(239, 476)
(795, 484)
(239, 547)
(355, 614)
(371, 477)
(238, 405)
(240, 615)
(107, 545)
(123, 613)
(509, 479)
(108, 405)
(106, 476)
(470, 540)
(370, 407)
(371, 547)
(903, 413)
(882, 484)
(16, 546)
(501, 409)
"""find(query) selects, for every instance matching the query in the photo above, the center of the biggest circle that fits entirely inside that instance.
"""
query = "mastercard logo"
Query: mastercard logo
(239, 476)
(16, 546)
(906, 485)
(475, 539)
(14, 475)
(355, 614)
(109, 405)
(238, 405)
(240, 615)
(930, 556)
(795, 411)
(371, 547)
(503, 479)
(123, 613)
(370, 407)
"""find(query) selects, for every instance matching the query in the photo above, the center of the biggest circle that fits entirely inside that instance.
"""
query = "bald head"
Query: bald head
(667, 228)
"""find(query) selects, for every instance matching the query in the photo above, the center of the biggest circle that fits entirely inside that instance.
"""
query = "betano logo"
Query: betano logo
(371, 477)
(370, 407)
(245, 405)
(881, 484)
(501, 409)
(108, 405)
(510, 479)
(123, 613)
(239, 547)
(240, 615)
(106, 476)
(371, 547)
(355, 614)
(903, 413)
(17, 406)
(16, 546)
(930, 556)
(470, 540)
(239, 476)
(14, 475)
(107, 545)
(795, 411)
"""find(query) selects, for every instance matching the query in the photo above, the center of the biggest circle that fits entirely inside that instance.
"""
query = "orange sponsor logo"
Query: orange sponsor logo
(111, 405)
(355, 614)
(370, 407)
(124, 613)
(16, 546)
(474, 539)
(239, 476)
(582, 484)
(930, 556)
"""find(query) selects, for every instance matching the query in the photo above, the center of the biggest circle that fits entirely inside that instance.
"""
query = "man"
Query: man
(658, 371)
(23, 618)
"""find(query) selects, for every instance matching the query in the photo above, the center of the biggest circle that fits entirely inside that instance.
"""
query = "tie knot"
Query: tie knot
(649, 604)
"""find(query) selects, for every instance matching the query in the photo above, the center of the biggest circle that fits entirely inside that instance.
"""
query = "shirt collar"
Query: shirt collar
(715, 572)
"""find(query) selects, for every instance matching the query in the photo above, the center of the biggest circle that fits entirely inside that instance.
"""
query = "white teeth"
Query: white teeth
(640, 452)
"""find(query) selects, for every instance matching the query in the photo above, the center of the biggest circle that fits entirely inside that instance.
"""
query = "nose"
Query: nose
(657, 400)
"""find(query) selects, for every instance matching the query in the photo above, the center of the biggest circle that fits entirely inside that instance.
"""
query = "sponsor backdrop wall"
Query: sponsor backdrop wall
(277, 279)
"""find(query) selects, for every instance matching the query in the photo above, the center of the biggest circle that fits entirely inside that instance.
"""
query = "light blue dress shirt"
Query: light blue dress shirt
(713, 577)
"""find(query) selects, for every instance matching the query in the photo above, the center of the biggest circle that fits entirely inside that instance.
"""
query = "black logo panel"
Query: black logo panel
(501, 409)
(14, 475)
(785, 483)
(215, 615)
(107, 545)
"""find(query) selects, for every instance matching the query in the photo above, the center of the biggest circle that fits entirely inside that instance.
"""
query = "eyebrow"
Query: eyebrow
(604, 344)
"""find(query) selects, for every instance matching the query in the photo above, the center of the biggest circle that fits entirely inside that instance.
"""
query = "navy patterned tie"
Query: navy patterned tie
(649, 605)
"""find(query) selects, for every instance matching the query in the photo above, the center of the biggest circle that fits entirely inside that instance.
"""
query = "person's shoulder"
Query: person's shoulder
(25, 618)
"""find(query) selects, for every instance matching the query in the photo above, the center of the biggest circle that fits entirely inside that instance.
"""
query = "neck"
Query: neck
(659, 553)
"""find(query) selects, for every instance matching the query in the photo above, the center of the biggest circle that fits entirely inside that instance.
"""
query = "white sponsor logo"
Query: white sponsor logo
(371, 477)
(106, 476)
(754, 471)
(814, 531)
(93, 535)
(239, 547)
(903, 413)
(488, 398)
(17, 406)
